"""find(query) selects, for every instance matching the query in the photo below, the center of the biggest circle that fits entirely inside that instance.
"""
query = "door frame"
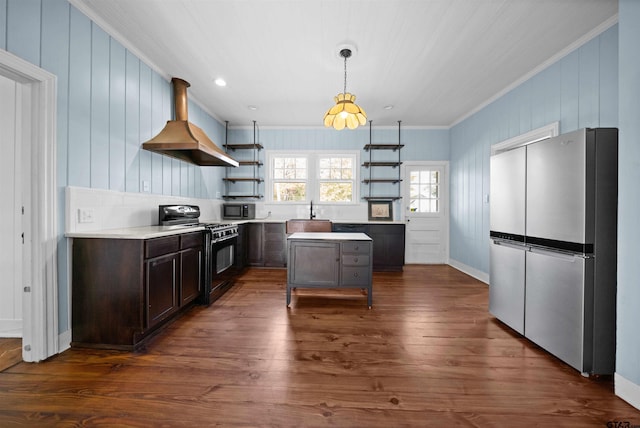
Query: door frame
(40, 299)
(445, 185)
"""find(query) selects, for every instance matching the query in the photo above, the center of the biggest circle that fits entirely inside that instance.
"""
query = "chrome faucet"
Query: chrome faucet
(311, 214)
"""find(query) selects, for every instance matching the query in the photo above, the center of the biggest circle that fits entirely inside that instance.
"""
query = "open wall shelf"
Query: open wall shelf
(244, 181)
(382, 165)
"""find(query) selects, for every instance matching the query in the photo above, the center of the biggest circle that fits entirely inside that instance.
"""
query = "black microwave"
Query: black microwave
(238, 211)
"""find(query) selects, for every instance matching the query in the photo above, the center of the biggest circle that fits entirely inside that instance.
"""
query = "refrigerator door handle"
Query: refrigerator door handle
(570, 257)
(511, 245)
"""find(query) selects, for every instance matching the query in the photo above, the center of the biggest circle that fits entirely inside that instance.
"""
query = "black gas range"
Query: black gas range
(220, 240)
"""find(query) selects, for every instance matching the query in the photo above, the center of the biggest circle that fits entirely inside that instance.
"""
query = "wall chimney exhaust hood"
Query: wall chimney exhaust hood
(185, 141)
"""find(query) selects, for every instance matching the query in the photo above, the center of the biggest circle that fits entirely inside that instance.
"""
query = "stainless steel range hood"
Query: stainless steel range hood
(185, 141)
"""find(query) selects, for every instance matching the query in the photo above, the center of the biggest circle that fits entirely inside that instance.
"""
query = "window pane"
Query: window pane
(289, 191)
(336, 192)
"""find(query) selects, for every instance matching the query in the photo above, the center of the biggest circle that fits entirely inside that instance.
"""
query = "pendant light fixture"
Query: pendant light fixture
(345, 112)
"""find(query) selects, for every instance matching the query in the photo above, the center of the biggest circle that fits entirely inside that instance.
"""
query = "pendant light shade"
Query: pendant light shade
(346, 112)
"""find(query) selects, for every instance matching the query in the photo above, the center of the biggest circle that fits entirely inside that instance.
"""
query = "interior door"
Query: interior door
(425, 206)
(11, 225)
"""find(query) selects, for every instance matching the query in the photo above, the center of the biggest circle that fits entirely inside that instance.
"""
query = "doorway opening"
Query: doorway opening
(36, 99)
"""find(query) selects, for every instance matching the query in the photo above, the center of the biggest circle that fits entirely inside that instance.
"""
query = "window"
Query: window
(336, 178)
(289, 178)
(424, 191)
(324, 177)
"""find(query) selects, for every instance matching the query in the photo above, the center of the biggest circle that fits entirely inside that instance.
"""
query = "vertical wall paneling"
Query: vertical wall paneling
(3, 24)
(132, 124)
(145, 125)
(157, 123)
(117, 102)
(171, 182)
(589, 85)
(608, 86)
(99, 108)
(54, 58)
(570, 92)
(183, 178)
(79, 99)
(628, 316)
(23, 29)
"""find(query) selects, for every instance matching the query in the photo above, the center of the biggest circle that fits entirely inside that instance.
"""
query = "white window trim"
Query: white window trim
(313, 176)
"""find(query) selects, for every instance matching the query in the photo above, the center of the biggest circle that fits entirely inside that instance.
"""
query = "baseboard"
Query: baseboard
(10, 328)
(64, 341)
(477, 274)
(627, 390)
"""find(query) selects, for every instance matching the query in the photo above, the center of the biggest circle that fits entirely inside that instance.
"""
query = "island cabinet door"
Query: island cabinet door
(162, 287)
(314, 263)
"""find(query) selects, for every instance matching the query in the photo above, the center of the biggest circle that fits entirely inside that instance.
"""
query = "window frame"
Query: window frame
(313, 180)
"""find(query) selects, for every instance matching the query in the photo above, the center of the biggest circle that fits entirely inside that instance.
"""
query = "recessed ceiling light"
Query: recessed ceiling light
(252, 108)
(220, 82)
(388, 107)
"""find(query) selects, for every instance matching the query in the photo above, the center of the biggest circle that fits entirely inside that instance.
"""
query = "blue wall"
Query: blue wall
(108, 103)
(628, 353)
(580, 90)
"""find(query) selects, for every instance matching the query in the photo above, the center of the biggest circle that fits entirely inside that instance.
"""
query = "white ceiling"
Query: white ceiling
(434, 61)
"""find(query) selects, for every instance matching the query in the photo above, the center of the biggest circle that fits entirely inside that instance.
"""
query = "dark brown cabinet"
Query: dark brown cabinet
(388, 243)
(161, 287)
(267, 244)
(275, 245)
(123, 290)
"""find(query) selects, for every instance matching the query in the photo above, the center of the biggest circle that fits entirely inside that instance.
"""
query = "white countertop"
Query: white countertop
(143, 232)
(329, 236)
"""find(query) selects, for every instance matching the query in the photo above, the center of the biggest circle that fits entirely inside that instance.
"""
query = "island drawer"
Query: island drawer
(355, 276)
(355, 260)
(356, 247)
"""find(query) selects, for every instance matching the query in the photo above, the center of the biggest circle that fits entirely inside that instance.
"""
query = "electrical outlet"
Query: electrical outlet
(145, 185)
(86, 215)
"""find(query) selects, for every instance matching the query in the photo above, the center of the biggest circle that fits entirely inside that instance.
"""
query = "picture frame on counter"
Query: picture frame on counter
(380, 210)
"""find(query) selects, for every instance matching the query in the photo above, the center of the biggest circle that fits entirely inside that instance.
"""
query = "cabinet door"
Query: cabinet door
(388, 246)
(191, 274)
(314, 263)
(161, 287)
(275, 244)
(255, 255)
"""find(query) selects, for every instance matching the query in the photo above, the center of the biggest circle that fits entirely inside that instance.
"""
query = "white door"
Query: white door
(426, 206)
(11, 224)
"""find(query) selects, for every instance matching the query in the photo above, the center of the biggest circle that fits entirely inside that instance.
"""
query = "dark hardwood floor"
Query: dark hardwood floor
(427, 355)
(10, 352)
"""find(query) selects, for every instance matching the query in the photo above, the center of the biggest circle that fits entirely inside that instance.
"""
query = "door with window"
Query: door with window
(425, 206)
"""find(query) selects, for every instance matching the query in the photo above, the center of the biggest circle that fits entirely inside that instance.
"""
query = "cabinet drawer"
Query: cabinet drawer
(356, 247)
(355, 260)
(159, 246)
(188, 240)
(355, 276)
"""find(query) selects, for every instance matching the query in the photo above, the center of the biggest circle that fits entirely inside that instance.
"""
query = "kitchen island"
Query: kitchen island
(329, 260)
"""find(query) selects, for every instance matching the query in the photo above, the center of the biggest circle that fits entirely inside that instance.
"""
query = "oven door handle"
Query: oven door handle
(224, 239)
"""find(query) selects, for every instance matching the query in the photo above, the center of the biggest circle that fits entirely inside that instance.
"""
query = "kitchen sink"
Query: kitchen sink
(307, 225)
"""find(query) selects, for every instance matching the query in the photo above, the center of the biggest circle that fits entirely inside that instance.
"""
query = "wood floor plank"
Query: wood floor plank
(427, 354)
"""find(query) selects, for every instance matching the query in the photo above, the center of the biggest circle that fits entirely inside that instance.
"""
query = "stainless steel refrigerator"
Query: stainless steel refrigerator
(553, 245)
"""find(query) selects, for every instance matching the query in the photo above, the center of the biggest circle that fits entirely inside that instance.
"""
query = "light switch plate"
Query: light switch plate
(86, 215)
